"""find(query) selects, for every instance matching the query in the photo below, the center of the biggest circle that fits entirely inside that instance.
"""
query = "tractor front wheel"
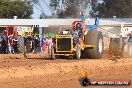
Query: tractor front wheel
(78, 51)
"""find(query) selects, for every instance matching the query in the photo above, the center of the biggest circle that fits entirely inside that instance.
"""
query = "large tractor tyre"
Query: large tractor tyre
(21, 44)
(127, 51)
(78, 52)
(116, 47)
(94, 38)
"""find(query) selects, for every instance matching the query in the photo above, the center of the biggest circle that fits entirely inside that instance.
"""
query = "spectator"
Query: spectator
(33, 43)
(37, 44)
(10, 46)
(3, 44)
(43, 44)
(27, 44)
(14, 45)
(50, 44)
(40, 44)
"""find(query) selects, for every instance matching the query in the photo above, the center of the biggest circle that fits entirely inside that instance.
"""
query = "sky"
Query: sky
(45, 8)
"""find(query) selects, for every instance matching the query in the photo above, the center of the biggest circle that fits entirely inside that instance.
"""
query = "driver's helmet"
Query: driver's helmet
(78, 26)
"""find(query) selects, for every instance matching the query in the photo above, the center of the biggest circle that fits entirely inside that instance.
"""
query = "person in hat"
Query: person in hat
(40, 44)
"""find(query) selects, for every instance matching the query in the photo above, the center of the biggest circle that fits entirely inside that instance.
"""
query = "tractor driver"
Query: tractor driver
(79, 29)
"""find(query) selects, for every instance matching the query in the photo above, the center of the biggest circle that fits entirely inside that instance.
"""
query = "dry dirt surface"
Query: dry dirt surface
(62, 73)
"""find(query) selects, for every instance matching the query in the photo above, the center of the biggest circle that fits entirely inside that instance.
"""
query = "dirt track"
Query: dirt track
(40, 73)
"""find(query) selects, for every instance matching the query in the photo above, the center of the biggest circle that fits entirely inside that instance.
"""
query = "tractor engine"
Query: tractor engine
(68, 37)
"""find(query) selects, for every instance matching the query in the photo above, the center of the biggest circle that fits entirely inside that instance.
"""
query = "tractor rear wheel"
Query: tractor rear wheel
(21, 44)
(94, 38)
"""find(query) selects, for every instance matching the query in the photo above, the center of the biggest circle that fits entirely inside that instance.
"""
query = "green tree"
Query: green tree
(118, 8)
(19, 8)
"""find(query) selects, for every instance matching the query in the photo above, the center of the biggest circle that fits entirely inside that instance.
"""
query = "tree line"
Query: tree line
(19, 8)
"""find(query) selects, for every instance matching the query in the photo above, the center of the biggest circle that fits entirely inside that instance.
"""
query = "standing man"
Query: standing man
(43, 44)
(3, 44)
(10, 44)
(50, 44)
(27, 43)
(33, 43)
(37, 44)
(14, 45)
